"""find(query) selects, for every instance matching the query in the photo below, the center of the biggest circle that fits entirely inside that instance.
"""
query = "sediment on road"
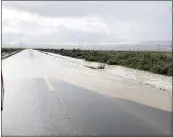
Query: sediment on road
(151, 80)
(115, 81)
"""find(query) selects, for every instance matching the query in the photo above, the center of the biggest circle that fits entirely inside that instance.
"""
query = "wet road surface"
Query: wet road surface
(38, 102)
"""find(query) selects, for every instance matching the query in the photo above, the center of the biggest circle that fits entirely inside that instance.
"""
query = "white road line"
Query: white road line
(60, 100)
(51, 88)
(49, 85)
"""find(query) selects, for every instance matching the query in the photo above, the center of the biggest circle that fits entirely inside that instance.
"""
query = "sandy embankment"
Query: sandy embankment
(122, 82)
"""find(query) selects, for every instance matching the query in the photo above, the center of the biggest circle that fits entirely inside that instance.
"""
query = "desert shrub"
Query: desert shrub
(112, 61)
(156, 62)
(90, 58)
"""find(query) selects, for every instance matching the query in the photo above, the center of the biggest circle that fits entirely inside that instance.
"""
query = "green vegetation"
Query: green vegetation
(154, 61)
(7, 52)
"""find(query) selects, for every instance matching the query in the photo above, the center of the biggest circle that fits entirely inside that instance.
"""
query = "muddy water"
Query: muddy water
(113, 72)
(117, 81)
(156, 80)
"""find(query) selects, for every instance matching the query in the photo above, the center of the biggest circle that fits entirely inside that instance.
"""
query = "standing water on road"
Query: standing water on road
(113, 72)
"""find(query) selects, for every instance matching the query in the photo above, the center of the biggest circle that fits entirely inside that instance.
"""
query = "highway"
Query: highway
(39, 101)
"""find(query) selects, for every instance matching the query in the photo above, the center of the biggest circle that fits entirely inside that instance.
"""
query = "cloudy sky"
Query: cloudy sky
(50, 23)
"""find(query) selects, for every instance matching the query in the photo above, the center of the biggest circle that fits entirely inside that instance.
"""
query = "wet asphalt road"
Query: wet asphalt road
(37, 102)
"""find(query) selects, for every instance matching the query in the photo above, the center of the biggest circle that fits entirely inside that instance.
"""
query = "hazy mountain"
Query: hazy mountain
(149, 46)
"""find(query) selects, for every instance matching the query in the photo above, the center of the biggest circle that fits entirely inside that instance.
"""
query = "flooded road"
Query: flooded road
(136, 85)
(49, 96)
(115, 71)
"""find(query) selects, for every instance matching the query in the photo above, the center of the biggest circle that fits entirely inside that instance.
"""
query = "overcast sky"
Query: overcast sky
(52, 22)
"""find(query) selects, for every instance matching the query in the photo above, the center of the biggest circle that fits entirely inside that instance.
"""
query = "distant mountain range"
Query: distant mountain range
(142, 46)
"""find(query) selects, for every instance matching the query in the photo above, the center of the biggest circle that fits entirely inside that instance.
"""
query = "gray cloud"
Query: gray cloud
(89, 22)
